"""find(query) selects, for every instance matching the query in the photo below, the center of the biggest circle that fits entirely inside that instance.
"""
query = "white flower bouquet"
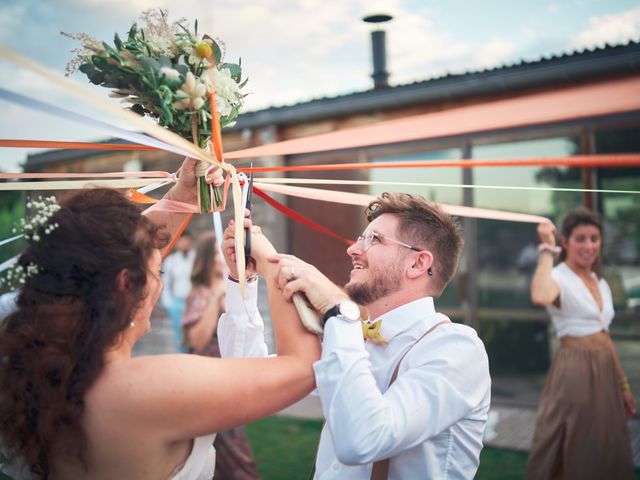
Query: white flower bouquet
(164, 71)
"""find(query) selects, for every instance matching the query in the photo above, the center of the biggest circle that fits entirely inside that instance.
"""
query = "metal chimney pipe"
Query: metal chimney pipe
(379, 51)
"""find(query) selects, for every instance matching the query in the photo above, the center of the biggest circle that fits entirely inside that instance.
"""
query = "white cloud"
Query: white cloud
(115, 8)
(418, 48)
(289, 49)
(611, 29)
(492, 54)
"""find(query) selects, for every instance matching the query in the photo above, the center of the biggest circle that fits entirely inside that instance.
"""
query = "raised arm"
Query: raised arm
(241, 328)
(184, 396)
(544, 290)
(183, 191)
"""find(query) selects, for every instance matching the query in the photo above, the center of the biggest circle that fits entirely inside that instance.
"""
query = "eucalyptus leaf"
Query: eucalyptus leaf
(217, 52)
(96, 78)
(164, 61)
(235, 110)
(87, 68)
(110, 84)
(99, 62)
(150, 82)
(132, 32)
(183, 69)
(149, 63)
(167, 116)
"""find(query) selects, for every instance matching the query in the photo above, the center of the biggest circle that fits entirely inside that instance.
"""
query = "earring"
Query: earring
(430, 272)
(132, 324)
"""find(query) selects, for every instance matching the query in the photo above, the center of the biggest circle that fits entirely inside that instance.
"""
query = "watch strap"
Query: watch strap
(332, 312)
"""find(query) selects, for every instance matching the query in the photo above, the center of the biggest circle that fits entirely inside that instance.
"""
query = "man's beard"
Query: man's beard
(379, 284)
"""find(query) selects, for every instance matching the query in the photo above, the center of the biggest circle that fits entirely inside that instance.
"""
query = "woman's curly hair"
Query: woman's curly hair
(69, 314)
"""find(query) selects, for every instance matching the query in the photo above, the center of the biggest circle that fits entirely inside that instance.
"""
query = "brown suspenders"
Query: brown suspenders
(380, 470)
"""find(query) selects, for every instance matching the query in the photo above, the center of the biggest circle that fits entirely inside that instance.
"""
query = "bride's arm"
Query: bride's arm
(185, 396)
(183, 191)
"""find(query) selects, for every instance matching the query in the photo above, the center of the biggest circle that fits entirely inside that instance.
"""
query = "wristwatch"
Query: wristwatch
(346, 309)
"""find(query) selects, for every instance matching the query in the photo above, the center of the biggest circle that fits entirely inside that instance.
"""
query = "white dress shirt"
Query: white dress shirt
(579, 314)
(430, 422)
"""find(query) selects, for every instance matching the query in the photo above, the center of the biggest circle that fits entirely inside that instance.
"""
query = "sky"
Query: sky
(300, 50)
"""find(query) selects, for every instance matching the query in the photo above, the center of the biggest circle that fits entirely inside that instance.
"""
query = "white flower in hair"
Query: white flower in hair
(32, 227)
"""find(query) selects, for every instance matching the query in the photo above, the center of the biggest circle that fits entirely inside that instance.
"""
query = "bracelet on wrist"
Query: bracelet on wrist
(554, 250)
(250, 279)
(624, 384)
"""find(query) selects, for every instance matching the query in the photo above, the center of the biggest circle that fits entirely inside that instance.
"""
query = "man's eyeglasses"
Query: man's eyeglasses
(370, 238)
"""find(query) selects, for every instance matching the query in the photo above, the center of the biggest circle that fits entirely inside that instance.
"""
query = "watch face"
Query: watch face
(349, 310)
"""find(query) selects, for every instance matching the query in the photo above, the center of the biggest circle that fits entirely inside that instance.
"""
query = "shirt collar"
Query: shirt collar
(418, 315)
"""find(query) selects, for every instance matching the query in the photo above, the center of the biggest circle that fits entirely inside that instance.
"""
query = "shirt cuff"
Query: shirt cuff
(341, 334)
(235, 303)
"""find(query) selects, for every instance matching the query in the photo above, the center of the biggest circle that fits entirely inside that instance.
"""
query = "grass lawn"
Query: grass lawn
(285, 449)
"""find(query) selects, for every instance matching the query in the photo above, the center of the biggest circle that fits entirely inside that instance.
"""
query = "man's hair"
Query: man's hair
(425, 225)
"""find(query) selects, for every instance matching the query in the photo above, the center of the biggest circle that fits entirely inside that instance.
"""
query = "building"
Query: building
(491, 288)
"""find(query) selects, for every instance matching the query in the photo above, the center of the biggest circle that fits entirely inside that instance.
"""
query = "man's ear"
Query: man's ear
(421, 263)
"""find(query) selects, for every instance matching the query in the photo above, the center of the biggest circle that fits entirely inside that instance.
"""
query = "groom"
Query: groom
(412, 400)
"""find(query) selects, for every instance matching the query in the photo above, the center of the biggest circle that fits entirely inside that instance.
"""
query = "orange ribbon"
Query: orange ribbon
(605, 160)
(596, 160)
(216, 135)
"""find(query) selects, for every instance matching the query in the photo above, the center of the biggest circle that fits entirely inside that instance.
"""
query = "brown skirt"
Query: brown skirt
(581, 431)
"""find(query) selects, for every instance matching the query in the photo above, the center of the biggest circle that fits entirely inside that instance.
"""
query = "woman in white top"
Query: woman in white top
(75, 404)
(581, 430)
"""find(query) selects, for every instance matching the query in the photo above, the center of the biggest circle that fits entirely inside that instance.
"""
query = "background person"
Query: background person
(205, 303)
(176, 275)
(581, 430)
